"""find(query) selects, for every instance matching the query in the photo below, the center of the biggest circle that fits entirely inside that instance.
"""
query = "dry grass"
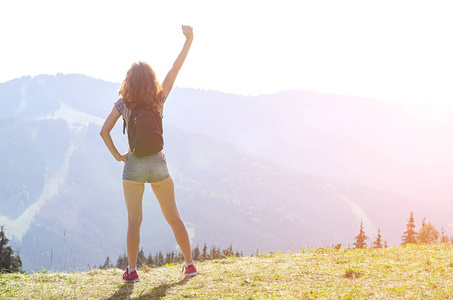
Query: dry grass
(414, 272)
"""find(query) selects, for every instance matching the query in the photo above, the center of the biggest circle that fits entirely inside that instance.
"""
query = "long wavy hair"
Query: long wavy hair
(141, 88)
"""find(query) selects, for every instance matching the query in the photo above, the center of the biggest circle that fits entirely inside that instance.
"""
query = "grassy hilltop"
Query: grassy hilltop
(412, 272)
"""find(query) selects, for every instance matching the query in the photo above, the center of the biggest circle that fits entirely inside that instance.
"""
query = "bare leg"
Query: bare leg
(133, 194)
(165, 194)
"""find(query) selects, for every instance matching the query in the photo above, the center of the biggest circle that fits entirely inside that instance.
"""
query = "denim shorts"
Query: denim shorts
(151, 168)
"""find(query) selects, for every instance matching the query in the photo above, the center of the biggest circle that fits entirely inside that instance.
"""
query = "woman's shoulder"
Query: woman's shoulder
(121, 107)
(119, 104)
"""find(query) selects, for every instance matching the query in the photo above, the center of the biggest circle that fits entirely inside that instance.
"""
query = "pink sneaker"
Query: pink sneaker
(190, 270)
(132, 277)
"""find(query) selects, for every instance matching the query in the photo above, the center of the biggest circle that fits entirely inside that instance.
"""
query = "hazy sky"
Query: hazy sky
(392, 50)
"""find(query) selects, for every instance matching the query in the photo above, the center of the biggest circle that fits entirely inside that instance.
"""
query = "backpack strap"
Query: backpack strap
(124, 125)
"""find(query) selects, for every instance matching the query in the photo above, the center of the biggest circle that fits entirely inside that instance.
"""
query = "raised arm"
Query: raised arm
(169, 80)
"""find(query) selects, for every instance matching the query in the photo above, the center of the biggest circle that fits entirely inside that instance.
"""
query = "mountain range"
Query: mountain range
(271, 172)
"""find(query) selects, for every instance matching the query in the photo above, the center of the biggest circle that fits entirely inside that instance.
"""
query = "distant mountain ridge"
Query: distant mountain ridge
(262, 172)
(404, 149)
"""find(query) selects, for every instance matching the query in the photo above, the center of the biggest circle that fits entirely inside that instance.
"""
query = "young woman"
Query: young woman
(141, 89)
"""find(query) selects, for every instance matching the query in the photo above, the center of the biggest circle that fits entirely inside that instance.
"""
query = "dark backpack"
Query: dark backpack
(144, 132)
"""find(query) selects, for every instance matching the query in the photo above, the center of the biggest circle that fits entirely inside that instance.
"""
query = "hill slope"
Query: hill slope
(419, 272)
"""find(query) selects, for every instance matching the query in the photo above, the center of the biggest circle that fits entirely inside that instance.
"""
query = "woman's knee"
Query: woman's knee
(135, 221)
(175, 221)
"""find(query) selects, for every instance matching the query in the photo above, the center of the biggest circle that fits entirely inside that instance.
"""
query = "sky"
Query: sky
(398, 51)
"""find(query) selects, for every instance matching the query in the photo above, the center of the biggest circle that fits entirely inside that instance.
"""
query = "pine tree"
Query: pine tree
(149, 260)
(3, 239)
(141, 259)
(9, 263)
(444, 238)
(360, 238)
(122, 261)
(196, 253)
(378, 242)
(107, 264)
(428, 234)
(160, 259)
(410, 236)
(204, 255)
(180, 257)
(228, 251)
(212, 253)
(168, 258)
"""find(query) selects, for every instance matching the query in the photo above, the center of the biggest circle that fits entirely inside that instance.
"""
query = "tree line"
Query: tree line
(172, 257)
(428, 234)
